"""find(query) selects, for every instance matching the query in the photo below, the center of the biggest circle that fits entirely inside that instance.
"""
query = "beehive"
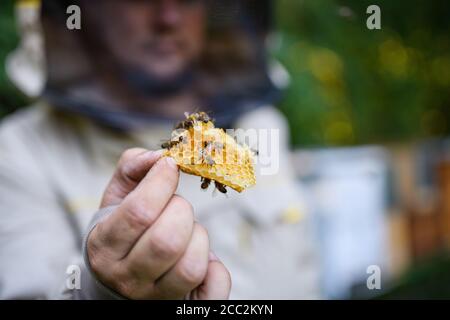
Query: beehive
(209, 152)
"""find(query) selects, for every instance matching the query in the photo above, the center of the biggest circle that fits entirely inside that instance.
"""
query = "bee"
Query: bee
(213, 146)
(171, 143)
(205, 183)
(207, 158)
(206, 153)
(185, 124)
(220, 187)
(208, 146)
(203, 117)
(192, 119)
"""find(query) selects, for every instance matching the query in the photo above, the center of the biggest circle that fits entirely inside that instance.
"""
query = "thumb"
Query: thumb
(131, 169)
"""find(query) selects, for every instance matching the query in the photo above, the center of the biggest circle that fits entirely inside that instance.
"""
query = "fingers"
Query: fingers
(164, 242)
(131, 169)
(216, 285)
(150, 246)
(189, 271)
(118, 233)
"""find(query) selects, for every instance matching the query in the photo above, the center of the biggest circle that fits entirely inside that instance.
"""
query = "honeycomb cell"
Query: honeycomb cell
(210, 153)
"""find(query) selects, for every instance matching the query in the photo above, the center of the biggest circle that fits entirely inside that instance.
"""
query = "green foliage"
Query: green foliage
(351, 85)
(10, 97)
(428, 279)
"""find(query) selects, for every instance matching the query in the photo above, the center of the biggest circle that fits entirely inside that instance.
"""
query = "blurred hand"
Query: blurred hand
(150, 247)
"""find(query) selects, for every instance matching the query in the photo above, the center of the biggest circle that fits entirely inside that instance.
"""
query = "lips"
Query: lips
(163, 47)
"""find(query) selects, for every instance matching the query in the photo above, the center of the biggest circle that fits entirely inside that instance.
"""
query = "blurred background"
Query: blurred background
(369, 112)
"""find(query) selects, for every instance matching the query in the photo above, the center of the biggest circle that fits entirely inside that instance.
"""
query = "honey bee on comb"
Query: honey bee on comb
(205, 183)
(171, 143)
(201, 149)
(192, 119)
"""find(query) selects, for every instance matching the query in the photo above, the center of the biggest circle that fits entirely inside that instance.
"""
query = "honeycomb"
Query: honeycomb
(211, 153)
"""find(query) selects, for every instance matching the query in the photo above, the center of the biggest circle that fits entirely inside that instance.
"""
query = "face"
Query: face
(160, 37)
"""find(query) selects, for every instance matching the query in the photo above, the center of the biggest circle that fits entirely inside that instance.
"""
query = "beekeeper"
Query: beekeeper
(83, 189)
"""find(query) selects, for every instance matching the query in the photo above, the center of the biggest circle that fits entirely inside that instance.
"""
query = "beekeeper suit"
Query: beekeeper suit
(57, 156)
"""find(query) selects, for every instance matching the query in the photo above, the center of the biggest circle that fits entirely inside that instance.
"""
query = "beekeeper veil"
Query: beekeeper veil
(219, 55)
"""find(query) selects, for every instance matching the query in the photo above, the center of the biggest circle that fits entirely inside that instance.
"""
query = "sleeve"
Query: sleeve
(91, 288)
(37, 240)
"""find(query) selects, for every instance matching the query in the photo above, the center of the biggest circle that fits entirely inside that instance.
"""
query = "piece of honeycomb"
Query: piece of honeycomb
(201, 149)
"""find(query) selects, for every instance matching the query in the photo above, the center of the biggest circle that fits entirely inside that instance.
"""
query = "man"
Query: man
(119, 84)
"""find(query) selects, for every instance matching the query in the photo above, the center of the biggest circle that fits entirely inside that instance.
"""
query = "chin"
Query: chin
(165, 73)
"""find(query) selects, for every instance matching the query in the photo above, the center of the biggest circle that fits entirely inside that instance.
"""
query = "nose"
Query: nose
(169, 13)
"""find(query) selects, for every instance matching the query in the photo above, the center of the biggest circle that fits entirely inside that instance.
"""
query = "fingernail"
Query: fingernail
(171, 162)
(159, 153)
(148, 154)
(151, 155)
(213, 257)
